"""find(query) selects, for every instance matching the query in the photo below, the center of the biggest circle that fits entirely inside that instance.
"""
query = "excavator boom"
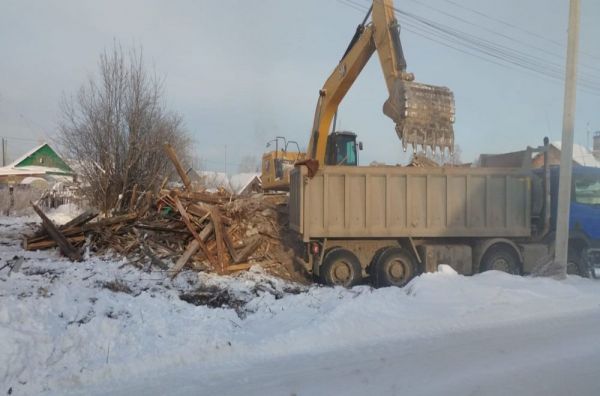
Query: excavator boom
(423, 114)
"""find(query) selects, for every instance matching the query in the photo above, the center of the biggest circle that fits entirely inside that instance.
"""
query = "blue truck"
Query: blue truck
(584, 219)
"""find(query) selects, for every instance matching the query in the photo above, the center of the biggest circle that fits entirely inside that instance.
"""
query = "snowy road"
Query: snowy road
(556, 356)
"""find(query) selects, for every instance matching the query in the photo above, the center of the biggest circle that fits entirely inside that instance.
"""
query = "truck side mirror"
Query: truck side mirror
(360, 146)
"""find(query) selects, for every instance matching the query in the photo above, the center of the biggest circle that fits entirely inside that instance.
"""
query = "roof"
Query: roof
(30, 171)
(213, 180)
(581, 155)
(26, 155)
(241, 181)
(38, 158)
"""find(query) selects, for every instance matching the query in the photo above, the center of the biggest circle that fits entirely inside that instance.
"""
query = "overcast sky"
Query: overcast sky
(241, 72)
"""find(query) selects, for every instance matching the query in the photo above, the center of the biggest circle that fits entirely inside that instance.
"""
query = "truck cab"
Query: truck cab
(584, 218)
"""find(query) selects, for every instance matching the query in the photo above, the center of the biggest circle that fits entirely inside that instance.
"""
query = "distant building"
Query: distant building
(40, 163)
(517, 159)
(596, 145)
(238, 184)
(581, 156)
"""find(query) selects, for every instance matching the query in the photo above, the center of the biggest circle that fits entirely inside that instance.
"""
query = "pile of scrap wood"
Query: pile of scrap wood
(177, 228)
(420, 160)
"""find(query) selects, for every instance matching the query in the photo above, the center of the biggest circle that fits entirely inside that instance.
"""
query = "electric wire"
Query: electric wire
(484, 49)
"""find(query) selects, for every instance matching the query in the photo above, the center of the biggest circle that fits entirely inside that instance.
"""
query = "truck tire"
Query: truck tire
(340, 268)
(500, 258)
(394, 267)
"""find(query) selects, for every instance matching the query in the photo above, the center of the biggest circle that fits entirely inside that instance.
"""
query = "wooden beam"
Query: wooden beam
(247, 250)
(190, 250)
(48, 243)
(239, 267)
(190, 226)
(65, 246)
(173, 156)
(215, 216)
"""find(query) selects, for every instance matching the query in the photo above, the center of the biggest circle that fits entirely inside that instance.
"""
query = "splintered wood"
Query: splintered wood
(178, 228)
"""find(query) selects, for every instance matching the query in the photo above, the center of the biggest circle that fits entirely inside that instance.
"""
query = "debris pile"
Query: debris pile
(178, 228)
(420, 160)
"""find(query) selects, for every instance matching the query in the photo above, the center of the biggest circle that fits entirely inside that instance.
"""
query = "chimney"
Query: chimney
(596, 145)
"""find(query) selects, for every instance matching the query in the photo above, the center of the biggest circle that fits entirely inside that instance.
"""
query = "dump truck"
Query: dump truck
(390, 223)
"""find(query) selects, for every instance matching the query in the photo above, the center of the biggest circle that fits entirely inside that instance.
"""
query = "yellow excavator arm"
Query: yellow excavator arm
(423, 114)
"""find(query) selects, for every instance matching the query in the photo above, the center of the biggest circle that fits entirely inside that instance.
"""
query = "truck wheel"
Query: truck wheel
(340, 268)
(394, 267)
(500, 258)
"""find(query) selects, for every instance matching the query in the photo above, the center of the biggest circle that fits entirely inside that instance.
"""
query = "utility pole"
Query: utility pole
(3, 152)
(566, 148)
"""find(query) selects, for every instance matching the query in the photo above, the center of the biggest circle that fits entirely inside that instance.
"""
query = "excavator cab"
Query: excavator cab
(342, 149)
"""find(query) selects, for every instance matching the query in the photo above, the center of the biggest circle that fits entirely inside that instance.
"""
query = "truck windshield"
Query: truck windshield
(587, 189)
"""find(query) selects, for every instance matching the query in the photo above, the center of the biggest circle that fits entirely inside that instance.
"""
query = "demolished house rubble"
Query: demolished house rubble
(183, 228)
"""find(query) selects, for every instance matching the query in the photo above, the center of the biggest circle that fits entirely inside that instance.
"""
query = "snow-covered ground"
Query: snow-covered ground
(104, 327)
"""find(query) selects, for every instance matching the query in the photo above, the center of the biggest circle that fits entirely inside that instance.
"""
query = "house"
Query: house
(41, 162)
(245, 183)
(238, 184)
(581, 156)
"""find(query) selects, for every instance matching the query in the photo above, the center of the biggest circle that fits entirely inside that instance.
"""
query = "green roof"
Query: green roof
(42, 155)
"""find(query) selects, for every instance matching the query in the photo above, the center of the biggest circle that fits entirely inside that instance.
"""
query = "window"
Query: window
(587, 189)
(345, 151)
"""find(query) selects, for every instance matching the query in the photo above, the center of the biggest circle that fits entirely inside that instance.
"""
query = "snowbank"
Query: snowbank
(66, 326)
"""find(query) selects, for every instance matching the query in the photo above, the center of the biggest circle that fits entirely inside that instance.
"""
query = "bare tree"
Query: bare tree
(114, 129)
(248, 164)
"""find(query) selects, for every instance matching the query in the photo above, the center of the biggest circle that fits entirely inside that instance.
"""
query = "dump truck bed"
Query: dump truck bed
(393, 202)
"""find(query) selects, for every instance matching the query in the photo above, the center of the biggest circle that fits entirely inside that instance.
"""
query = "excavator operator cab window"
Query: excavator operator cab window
(341, 149)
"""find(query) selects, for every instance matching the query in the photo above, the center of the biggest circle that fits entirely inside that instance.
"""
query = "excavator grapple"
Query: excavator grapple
(423, 114)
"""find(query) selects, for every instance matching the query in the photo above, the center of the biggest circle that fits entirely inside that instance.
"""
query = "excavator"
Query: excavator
(423, 114)
(277, 164)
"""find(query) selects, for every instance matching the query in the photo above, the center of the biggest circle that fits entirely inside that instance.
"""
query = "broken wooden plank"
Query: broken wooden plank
(65, 246)
(175, 160)
(239, 267)
(190, 226)
(215, 216)
(48, 243)
(202, 197)
(190, 250)
(83, 218)
(247, 250)
(80, 220)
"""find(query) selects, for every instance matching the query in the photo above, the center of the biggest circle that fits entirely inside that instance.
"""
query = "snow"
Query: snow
(64, 213)
(63, 331)
(240, 181)
(581, 155)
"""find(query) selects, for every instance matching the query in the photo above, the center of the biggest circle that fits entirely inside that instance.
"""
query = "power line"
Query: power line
(482, 48)
(504, 35)
(516, 27)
